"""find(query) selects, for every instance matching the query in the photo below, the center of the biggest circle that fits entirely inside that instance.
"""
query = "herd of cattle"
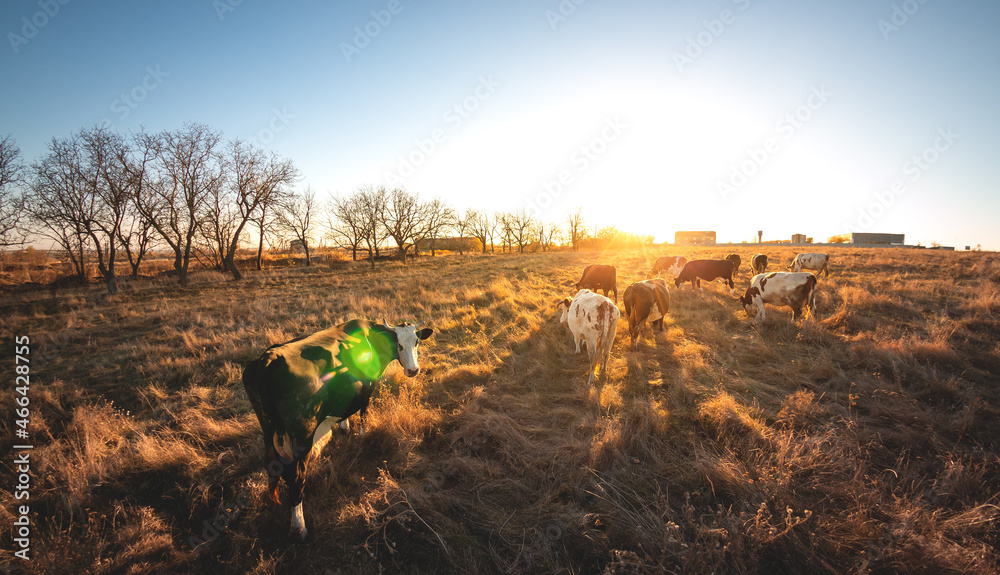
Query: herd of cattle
(593, 318)
(303, 389)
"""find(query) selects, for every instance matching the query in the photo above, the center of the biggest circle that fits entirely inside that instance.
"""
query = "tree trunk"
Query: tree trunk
(260, 249)
(230, 265)
(305, 246)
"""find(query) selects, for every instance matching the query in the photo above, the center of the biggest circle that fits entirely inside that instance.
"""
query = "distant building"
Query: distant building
(798, 238)
(452, 244)
(694, 238)
(869, 239)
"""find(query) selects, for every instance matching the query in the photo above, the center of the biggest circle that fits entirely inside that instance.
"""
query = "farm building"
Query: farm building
(871, 239)
(798, 238)
(452, 244)
(694, 238)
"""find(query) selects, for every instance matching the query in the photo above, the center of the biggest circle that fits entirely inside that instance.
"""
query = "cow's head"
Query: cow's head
(677, 282)
(408, 338)
(563, 306)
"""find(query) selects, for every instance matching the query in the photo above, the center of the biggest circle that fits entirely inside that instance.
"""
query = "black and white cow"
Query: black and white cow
(816, 262)
(696, 270)
(670, 264)
(758, 264)
(644, 300)
(302, 388)
(794, 289)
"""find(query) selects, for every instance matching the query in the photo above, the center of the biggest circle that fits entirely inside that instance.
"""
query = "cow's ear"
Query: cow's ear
(425, 333)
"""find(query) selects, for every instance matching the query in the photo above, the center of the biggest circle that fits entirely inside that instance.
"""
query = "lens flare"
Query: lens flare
(361, 355)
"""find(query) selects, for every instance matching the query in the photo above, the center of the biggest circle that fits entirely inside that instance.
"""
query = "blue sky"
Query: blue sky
(787, 117)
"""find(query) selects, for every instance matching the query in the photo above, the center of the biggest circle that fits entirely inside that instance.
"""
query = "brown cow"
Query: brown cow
(735, 258)
(707, 270)
(758, 264)
(600, 277)
(645, 300)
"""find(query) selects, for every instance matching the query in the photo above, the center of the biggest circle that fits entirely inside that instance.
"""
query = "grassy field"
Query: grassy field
(864, 440)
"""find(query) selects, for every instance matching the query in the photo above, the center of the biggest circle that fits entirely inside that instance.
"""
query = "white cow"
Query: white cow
(794, 289)
(593, 319)
(816, 262)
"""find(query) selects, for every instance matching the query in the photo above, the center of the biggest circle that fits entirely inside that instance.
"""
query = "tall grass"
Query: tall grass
(863, 440)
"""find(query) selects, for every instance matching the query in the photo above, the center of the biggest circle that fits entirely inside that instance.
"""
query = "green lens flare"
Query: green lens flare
(361, 354)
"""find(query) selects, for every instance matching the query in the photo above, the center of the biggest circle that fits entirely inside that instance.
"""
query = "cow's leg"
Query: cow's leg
(272, 465)
(362, 415)
(294, 474)
(576, 340)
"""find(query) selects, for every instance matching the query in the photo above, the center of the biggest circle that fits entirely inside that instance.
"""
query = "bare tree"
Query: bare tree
(403, 215)
(365, 207)
(438, 217)
(520, 225)
(481, 226)
(56, 205)
(12, 174)
(505, 225)
(545, 233)
(136, 239)
(297, 215)
(254, 182)
(461, 225)
(346, 226)
(576, 227)
(108, 171)
(186, 173)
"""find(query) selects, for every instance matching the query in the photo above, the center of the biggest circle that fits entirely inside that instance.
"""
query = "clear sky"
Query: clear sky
(654, 116)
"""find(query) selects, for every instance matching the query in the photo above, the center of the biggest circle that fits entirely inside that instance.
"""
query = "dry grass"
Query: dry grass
(864, 440)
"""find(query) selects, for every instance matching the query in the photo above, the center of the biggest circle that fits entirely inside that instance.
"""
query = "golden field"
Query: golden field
(864, 440)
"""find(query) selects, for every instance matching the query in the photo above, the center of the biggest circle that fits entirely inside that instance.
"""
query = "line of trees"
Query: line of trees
(104, 197)
(99, 194)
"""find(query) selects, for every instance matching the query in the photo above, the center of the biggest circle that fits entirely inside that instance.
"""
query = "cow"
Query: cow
(816, 262)
(644, 300)
(794, 289)
(302, 388)
(735, 258)
(696, 270)
(670, 264)
(599, 277)
(758, 264)
(593, 319)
